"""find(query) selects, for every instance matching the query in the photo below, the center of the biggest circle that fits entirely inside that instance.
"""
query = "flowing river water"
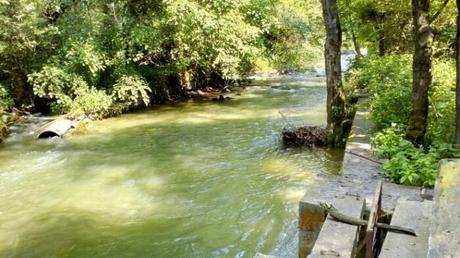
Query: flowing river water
(197, 179)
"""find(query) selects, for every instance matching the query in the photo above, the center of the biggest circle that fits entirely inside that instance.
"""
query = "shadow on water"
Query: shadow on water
(189, 180)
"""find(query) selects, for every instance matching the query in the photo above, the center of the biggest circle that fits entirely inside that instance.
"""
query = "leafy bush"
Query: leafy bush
(59, 86)
(441, 126)
(69, 93)
(131, 91)
(388, 81)
(408, 164)
(93, 102)
(5, 100)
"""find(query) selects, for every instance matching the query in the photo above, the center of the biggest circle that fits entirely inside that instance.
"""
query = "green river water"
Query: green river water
(198, 179)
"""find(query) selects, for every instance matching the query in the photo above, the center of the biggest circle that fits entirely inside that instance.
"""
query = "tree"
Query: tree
(335, 96)
(457, 91)
(421, 72)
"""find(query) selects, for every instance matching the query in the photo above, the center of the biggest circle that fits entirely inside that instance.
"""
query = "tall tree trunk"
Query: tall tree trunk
(421, 72)
(356, 44)
(382, 46)
(335, 97)
(457, 91)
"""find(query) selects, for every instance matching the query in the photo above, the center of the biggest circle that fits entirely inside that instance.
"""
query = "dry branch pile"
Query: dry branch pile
(304, 136)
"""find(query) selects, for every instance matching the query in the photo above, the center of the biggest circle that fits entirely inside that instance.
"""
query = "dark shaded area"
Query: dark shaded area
(48, 134)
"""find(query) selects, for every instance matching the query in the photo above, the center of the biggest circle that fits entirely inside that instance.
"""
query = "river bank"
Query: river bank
(360, 173)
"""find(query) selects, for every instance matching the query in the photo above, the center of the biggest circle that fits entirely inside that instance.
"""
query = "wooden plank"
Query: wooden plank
(371, 230)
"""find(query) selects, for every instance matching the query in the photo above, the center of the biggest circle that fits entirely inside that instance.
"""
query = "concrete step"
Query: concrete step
(338, 239)
(445, 226)
(411, 214)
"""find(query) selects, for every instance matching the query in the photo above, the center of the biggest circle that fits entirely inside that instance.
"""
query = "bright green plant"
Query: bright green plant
(441, 120)
(6, 101)
(93, 102)
(131, 91)
(388, 81)
(408, 164)
(58, 86)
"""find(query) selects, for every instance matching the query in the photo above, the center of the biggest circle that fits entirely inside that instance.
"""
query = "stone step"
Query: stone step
(445, 226)
(337, 239)
(411, 214)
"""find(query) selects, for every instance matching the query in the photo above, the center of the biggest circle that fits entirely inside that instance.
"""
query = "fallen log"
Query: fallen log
(56, 128)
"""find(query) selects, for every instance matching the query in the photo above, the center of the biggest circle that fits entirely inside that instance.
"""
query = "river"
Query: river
(196, 179)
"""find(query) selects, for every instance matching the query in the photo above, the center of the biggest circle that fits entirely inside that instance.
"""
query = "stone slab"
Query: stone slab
(338, 239)
(311, 218)
(411, 214)
(445, 230)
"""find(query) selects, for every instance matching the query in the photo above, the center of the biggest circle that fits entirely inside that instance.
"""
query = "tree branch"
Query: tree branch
(436, 15)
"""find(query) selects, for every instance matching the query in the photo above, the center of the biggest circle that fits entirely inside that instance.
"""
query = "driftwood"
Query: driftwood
(304, 136)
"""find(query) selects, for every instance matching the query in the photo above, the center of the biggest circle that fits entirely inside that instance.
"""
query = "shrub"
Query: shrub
(93, 102)
(441, 120)
(69, 93)
(408, 164)
(59, 86)
(5, 100)
(131, 91)
(388, 81)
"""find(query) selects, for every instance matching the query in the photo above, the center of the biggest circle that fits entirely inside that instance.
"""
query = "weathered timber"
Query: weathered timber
(371, 230)
(335, 214)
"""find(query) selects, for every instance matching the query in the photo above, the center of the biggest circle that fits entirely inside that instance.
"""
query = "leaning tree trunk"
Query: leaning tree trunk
(356, 44)
(335, 97)
(421, 73)
(457, 91)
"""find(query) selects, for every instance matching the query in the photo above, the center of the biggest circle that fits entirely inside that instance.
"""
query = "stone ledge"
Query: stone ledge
(338, 239)
(445, 230)
(410, 214)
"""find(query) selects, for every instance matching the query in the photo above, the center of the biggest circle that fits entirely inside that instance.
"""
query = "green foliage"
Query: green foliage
(61, 87)
(93, 102)
(63, 49)
(388, 81)
(131, 90)
(296, 33)
(6, 102)
(441, 120)
(408, 164)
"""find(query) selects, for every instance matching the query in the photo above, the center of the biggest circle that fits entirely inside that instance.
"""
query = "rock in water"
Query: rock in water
(304, 136)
